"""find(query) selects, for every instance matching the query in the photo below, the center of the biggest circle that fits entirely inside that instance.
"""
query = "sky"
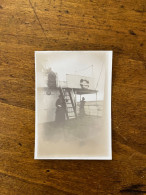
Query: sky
(76, 63)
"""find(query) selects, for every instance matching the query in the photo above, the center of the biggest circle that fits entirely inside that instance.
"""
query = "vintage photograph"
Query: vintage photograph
(73, 104)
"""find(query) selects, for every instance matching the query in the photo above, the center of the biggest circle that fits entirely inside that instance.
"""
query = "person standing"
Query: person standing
(60, 111)
(82, 109)
(51, 79)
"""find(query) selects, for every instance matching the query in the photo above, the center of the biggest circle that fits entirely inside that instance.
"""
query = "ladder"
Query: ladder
(70, 108)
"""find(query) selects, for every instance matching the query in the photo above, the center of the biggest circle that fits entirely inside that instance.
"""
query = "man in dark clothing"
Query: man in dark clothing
(82, 109)
(60, 111)
(51, 79)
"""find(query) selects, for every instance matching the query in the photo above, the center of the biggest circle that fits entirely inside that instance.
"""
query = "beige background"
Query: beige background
(91, 143)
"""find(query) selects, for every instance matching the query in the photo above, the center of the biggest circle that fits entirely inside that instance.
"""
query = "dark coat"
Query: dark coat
(60, 111)
(82, 109)
(51, 79)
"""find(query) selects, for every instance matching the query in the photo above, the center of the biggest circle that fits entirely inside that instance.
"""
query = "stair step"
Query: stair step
(66, 95)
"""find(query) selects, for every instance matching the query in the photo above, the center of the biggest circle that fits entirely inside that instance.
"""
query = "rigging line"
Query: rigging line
(99, 76)
(83, 69)
(86, 72)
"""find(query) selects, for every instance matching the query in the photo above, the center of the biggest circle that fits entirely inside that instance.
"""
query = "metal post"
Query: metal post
(75, 102)
(96, 104)
(96, 96)
(92, 70)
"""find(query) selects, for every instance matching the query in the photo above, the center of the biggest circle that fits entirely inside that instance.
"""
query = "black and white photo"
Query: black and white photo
(73, 105)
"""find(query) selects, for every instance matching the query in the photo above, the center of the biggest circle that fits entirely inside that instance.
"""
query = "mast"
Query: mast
(92, 69)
